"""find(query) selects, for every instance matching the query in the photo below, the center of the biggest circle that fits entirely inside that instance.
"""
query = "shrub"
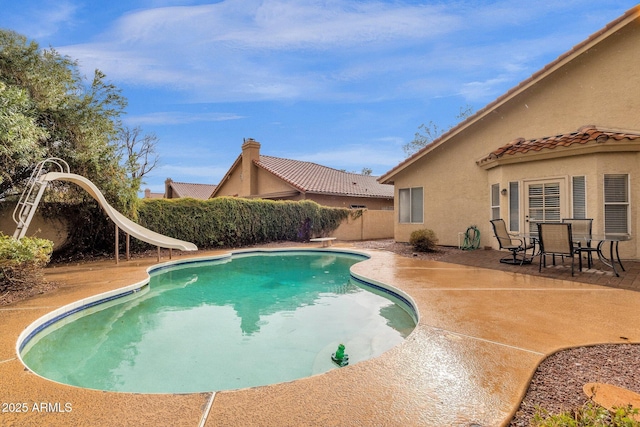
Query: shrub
(424, 240)
(22, 261)
(589, 415)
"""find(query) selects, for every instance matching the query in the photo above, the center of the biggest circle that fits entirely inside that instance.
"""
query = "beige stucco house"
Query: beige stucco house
(253, 175)
(563, 143)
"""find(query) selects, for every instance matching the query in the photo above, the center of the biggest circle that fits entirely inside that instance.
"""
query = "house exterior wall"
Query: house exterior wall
(599, 87)
(593, 167)
(232, 185)
(269, 184)
(370, 203)
(454, 193)
(266, 184)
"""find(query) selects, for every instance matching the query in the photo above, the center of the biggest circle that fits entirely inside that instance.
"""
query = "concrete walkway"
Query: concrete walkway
(482, 333)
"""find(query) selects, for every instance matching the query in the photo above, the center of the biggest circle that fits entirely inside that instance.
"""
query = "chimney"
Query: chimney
(249, 177)
(168, 194)
(147, 193)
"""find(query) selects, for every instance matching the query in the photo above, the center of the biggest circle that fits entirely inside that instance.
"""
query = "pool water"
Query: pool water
(243, 321)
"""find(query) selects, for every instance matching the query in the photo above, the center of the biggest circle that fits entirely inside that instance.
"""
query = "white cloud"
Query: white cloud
(281, 24)
(250, 50)
(378, 156)
(479, 90)
(176, 118)
(347, 50)
(44, 19)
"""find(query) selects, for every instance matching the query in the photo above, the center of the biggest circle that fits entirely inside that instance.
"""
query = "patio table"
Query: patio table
(613, 257)
(602, 239)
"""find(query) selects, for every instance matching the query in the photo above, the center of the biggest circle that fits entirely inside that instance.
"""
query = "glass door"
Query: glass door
(544, 203)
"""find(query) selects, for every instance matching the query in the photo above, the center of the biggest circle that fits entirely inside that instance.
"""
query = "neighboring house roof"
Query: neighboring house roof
(630, 16)
(196, 191)
(310, 177)
(586, 135)
(149, 195)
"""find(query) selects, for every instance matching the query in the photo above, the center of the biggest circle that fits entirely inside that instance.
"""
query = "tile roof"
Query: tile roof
(584, 135)
(310, 177)
(196, 191)
(149, 195)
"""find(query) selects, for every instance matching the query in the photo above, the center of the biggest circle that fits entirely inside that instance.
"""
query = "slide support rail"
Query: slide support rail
(32, 193)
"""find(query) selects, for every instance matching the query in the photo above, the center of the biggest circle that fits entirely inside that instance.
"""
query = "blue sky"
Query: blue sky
(343, 83)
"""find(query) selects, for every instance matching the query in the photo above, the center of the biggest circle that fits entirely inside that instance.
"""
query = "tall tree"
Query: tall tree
(19, 133)
(58, 113)
(138, 153)
(430, 132)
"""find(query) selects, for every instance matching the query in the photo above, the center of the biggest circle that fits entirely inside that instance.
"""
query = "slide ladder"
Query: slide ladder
(26, 207)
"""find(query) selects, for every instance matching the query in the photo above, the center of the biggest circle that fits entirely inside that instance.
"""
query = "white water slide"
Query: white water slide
(38, 182)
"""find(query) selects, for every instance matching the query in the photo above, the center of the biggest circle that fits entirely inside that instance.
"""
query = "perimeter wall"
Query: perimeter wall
(54, 229)
(371, 225)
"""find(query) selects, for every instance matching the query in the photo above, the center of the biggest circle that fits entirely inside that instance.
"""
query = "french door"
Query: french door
(545, 201)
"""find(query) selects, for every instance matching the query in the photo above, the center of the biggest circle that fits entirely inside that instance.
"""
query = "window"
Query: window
(514, 206)
(411, 205)
(495, 201)
(616, 204)
(579, 195)
(544, 202)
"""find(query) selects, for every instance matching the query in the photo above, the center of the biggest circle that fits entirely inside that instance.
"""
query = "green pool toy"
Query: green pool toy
(339, 358)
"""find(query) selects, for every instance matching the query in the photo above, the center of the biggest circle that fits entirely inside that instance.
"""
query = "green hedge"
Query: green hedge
(22, 261)
(215, 223)
(234, 222)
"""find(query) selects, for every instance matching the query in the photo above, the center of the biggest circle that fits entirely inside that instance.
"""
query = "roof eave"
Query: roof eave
(622, 146)
(371, 196)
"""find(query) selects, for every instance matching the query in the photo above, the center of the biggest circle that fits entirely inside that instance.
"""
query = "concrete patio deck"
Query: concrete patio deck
(482, 332)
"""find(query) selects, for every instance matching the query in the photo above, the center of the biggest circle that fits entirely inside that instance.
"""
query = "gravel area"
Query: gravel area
(556, 385)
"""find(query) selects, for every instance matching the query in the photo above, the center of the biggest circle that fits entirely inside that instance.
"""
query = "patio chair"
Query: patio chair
(516, 245)
(581, 235)
(555, 239)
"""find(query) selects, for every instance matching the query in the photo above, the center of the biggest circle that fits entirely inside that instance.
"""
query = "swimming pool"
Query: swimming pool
(231, 322)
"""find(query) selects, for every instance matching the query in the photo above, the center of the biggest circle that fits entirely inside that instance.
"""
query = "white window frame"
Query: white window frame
(409, 214)
(612, 200)
(579, 197)
(514, 206)
(495, 201)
